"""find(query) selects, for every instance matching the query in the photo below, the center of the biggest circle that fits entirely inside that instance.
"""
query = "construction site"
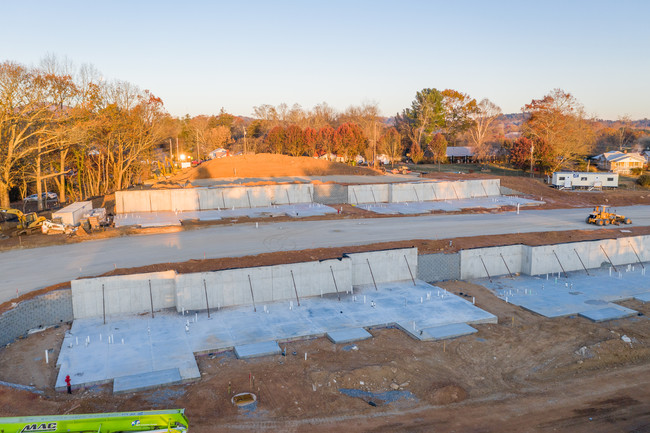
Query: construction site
(299, 299)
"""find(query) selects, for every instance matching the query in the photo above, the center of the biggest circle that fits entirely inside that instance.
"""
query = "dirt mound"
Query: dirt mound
(448, 394)
(271, 165)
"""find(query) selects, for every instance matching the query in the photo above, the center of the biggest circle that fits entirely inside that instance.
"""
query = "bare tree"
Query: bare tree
(483, 119)
(24, 121)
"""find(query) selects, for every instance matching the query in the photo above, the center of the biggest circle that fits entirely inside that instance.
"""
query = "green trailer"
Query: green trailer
(167, 421)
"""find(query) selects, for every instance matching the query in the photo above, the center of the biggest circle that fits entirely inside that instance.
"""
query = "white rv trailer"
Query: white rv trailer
(584, 180)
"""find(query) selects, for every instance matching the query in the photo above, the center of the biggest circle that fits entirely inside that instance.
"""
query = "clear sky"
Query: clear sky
(199, 56)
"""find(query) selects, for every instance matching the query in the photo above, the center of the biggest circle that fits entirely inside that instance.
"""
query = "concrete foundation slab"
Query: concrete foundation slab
(348, 335)
(643, 297)
(93, 352)
(608, 313)
(140, 382)
(447, 331)
(256, 350)
(450, 205)
(553, 295)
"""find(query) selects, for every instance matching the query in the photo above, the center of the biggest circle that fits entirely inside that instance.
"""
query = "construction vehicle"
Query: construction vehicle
(27, 223)
(600, 216)
(152, 421)
(51, 228)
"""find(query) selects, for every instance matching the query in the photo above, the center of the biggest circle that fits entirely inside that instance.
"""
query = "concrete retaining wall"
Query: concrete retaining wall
(130, 293)
(330, 193)
(592, 253)
(269, 283)
(46, 310)
(423, 191)
(473, 263)
(540, 260)
(191, 199)
(386, 265)
(123, 294)
(369, 193)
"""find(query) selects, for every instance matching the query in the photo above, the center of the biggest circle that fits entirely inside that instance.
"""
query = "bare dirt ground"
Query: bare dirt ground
(527, 373)
(268, 165)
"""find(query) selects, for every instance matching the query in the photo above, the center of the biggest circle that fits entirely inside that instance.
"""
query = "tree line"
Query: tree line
(71, 131)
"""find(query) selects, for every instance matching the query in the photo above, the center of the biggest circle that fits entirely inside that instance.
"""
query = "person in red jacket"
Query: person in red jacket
(67, 381)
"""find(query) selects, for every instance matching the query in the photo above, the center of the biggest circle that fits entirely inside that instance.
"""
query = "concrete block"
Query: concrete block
(348, 335)
(438, 267)
(143, 381)
(256, 350)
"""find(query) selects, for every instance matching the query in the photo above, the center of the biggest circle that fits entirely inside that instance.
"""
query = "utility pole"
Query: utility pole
(245, 146)
(374, 144)
(196, 132)
(532, 148)
(171, 152)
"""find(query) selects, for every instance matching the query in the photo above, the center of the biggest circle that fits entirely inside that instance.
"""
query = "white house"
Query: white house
(584, 180)
(218, 153)
(619, 162)
(464, 153)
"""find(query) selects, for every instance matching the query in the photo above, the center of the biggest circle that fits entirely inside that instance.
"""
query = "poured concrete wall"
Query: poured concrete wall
(408, 192)
(330, 193)
(123, 294)
(444, 190)
(545, 259)
(592, 254)
(369, 193)
(386, 265)
(130, 293)
(191, 199)
(269, 283)
(473, 263)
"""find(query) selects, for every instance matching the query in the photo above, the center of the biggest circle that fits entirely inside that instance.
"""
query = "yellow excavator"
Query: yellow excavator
(27, 223)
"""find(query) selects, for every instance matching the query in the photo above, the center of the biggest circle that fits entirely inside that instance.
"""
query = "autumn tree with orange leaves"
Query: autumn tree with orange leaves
(90, 136)
(557, 122)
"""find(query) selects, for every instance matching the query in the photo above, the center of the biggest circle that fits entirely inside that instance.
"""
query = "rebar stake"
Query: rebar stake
(409, 266)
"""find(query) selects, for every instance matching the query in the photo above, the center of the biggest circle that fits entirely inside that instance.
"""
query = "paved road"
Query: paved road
(27, 270)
